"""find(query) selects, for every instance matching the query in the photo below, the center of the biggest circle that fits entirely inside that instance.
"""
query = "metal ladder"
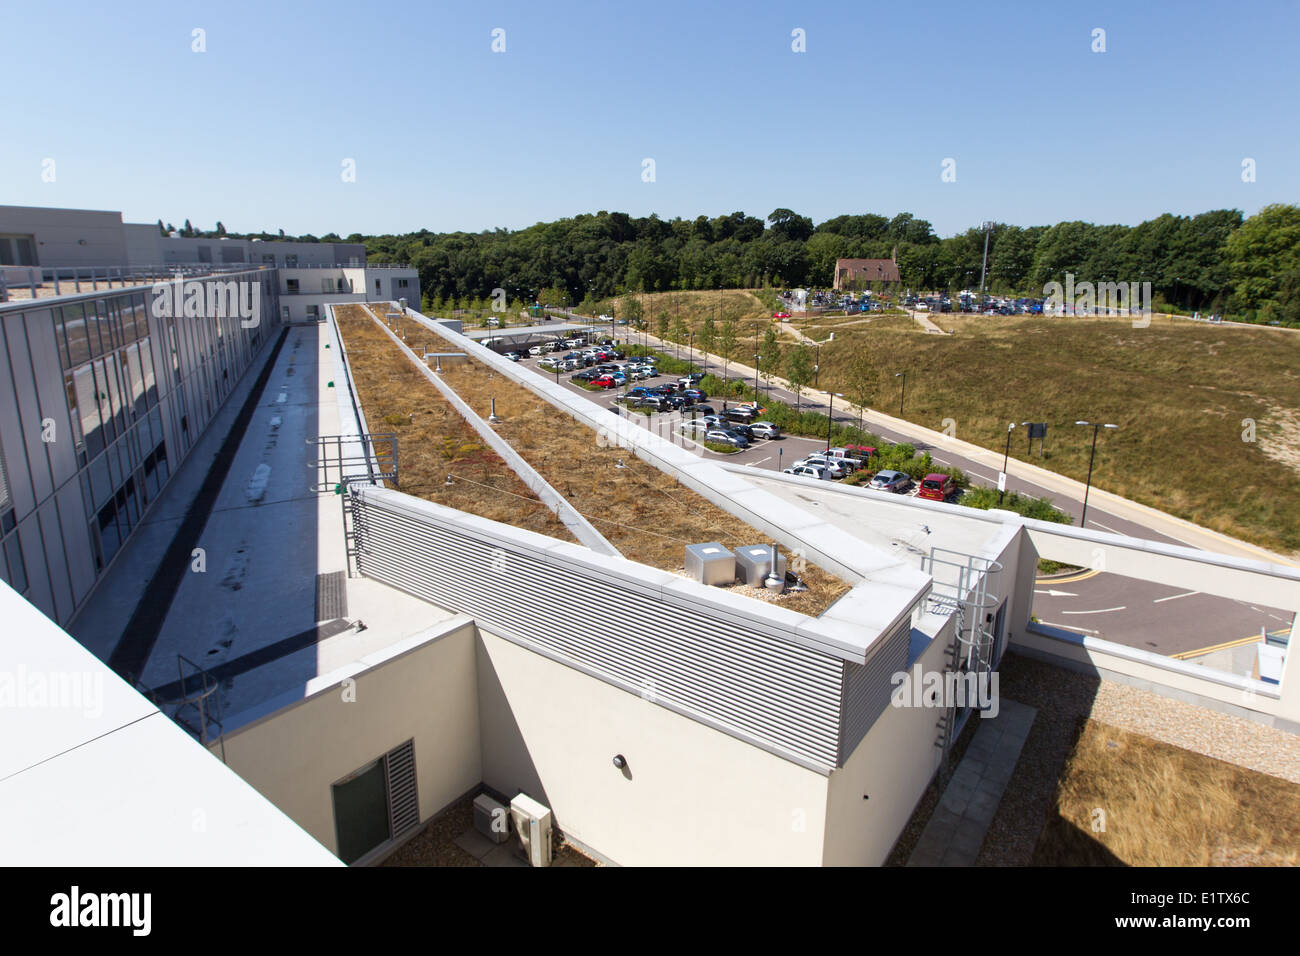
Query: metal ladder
(205, 704)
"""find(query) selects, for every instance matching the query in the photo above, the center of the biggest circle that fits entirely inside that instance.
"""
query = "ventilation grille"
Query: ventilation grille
(868, 688)
(331, 596)
(694, 659)
(403, 802)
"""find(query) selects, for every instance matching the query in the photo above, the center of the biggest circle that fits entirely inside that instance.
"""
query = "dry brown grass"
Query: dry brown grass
(1165, 806)
(647, 516)
(433, 440)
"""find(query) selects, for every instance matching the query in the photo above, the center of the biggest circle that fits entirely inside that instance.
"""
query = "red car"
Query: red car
(937, 487)
(780, 315)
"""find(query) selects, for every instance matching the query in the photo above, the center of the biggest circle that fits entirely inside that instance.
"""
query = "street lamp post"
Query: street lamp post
(1006, 455)
(1096, 427)
(830, 419)
(756, 396)
(690, 347)
(903, 393)
(988, 228)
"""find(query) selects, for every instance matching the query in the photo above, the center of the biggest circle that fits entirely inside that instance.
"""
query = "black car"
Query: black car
(742, 415)
(744, 431)
(650, 401)
(703, 410)
(586, 376)
(675, 402)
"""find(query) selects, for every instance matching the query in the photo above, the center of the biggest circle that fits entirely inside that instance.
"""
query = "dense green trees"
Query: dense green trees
(1210, 262)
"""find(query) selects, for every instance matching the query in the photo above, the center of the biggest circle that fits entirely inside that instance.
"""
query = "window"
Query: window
(17, 250)
(376, 803)
(15, 568)
(401, 283)
(205, 253)
(376, 287)
(291, 285)
(290, 262)
(268, 258)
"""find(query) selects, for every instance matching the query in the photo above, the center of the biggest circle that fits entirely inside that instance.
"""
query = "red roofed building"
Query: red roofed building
(857, 273)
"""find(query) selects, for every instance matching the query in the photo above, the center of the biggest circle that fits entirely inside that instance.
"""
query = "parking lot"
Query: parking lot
(774, 454)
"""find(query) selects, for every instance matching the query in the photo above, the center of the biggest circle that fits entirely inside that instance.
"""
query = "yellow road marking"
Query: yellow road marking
(1083, 576)
(1253, 639)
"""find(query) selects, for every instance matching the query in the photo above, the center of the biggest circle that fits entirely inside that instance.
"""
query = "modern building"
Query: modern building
(35, 236)
(364, 658)
(104, 391)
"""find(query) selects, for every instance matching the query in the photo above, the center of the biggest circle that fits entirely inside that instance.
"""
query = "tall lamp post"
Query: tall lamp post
(830, 419)
(903, 393)
(1006, 455)
(756, 396)
(1096, 427)
(988, 228)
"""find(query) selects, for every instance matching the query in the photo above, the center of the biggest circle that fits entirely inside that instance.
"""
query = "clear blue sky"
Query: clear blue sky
(448, 135)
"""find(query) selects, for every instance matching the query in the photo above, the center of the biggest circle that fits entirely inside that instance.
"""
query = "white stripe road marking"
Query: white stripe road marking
(1104, 528)
(1174, 597)
(761, 460)
(1070, 627)
(1103, 610)
(1276, 618)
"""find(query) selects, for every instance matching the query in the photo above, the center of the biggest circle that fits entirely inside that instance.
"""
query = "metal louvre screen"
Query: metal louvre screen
(697, 660)
(403, 804)
(868, 687)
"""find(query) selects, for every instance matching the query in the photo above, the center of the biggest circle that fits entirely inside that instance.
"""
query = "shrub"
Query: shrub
(1039, 509)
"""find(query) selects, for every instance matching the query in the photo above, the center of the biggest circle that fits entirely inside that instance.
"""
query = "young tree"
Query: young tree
(799, 371)
(661, 325)
(727, 342)
(631, 309)
(769, 356)
(708, 334)
(862, 383)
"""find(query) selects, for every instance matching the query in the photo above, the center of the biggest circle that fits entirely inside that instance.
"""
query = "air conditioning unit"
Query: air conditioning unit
(491, 819)
(533, 823)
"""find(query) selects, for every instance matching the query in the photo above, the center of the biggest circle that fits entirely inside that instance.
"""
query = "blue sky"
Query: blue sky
(448, 135)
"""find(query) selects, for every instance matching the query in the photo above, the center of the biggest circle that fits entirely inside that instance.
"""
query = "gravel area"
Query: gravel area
(1232, 739)
(1065, 699)
(435, 844)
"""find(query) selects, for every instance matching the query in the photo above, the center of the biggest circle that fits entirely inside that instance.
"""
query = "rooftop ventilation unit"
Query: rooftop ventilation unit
(754, 563)
(491, 819)
(711, 563)
(533, 823)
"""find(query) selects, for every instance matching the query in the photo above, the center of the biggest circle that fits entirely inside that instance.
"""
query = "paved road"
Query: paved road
(1126, 610)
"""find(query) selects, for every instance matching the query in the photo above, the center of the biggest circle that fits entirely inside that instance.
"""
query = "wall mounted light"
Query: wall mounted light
(620, 761)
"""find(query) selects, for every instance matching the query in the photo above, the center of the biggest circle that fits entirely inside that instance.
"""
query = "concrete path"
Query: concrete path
(957, 828)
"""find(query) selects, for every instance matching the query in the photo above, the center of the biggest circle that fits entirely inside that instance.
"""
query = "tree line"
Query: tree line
(1216, 261)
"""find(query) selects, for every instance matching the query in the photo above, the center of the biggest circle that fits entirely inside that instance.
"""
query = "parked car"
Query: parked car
(695, 426)
(513, 356)
(649, 401)
(694, 394)
(745, 415)
(834, 466)
(725, 438)
(699, 409)
(809, 471)
(888, 480)
(780, 315)
(937, 487)
(744, 431)
(536, 350)
(605, 381)
(765, 430)
(584, 376)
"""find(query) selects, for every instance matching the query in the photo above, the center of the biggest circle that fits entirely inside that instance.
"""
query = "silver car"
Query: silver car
(894, 481)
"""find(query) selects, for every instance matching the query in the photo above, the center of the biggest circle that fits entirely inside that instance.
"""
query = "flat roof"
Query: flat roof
(92, 774)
